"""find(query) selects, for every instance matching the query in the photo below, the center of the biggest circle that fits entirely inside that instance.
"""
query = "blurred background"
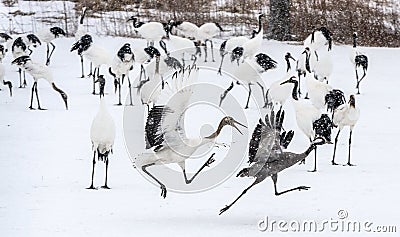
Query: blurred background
(376, 21)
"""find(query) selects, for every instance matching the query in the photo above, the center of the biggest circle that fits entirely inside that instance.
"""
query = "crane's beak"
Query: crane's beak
(236, 122)
(292, 58)
(288, 81)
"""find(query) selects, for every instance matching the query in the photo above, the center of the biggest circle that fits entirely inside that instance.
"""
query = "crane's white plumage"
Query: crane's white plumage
(323, 67)
(102, 131)
(317, 91)
(187, 29)
(102, 135)
(165, 130)
(39, 71)
(346, 115)
(278, 93)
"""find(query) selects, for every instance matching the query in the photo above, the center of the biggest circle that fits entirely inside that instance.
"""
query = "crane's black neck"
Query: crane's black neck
(354, 41)
(288, 66)
(259, 24)
(82, 17)
(294, 91)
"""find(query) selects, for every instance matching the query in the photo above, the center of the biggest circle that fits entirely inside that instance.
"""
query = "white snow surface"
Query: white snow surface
(46, 158)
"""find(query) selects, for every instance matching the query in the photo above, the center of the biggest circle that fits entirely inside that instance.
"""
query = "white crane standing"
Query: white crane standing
(166, 135)
(47, 36)
(122, 64)
(151, 31)
(346, 115)
(249, 73)
(2, 70)
(94, 53)
(81, 31)
(310, 120)
(102, 135)
(39, 71)
(252, 46)
(359, 60)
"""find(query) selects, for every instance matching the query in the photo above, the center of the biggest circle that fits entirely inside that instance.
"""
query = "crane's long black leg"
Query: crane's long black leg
(348, 162)
(205, 51)
(91, 70)
(244, 191)
(119, 92)
(248, 98)
(47, 54)
(33, 90)
(315, 161)
(263, 92)
(51, 53)
(222, 97)
(162, 186)
(130, 91)
(212, 50)
(20, 77)
(105, 183)
(37, 97)
(94, 79)
(304, 160)
(208, 163)
(334, 149)
(94, 163)
(275, 180)
(83, 73)
(24, 84)
(220, 65)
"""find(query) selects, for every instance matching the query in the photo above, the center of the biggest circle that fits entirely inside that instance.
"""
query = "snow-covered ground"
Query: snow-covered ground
(45, 160)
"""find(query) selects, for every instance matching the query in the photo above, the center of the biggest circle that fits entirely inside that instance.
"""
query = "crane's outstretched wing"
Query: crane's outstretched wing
(270, 140)
(181, 90)
(165, 122)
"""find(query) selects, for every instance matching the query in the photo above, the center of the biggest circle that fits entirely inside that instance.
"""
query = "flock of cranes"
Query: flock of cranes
(317, 114)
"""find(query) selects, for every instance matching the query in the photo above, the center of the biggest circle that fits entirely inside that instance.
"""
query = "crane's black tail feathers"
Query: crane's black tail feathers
(334, 99)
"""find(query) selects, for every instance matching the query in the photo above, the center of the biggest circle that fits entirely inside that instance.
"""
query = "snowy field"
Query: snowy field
(46, 157)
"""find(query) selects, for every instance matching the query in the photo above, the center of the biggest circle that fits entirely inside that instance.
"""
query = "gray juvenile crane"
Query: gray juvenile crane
(266, 155)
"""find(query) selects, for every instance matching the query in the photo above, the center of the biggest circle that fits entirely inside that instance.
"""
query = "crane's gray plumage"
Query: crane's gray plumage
(268, 158)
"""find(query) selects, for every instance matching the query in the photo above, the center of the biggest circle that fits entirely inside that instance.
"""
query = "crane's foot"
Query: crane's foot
(31, 108)
(224, 209)
(83, 76)
(91, 187)
(334, 163)
(40, 108)
(314, 170)
(303, 188)
(163, 191)
(119, 104)
(105, 187)
(210, 161)
(349, 164)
